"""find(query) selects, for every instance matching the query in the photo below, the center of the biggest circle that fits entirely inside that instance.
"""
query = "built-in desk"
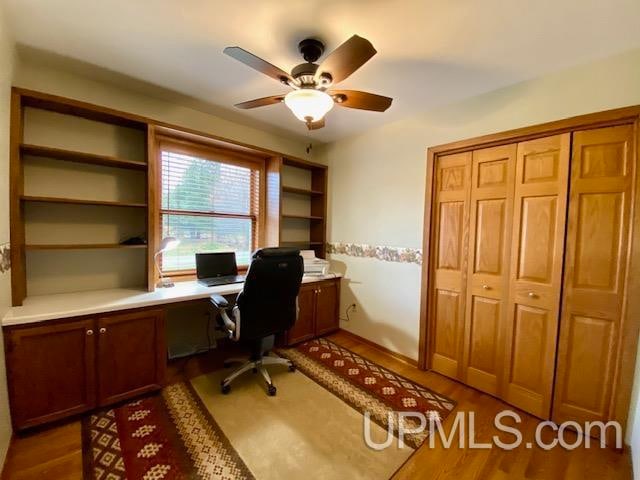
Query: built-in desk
(69, 353)
(66, 305)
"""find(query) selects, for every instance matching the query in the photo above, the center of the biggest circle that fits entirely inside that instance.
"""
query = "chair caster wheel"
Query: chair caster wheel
(272, 391)
(225, 389)
(292, 368)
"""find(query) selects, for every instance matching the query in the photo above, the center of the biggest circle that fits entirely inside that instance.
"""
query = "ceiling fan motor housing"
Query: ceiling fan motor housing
(311, 49)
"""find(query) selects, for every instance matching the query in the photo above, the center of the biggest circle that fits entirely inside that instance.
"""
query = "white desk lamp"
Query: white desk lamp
(167, 243)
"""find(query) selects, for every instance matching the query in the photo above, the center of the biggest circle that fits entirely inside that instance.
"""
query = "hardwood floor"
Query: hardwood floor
(56, 452)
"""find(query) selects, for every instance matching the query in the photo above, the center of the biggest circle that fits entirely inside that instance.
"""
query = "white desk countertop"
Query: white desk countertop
(65, 305)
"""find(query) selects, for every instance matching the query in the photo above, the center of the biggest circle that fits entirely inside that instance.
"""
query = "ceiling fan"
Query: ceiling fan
(313, 95)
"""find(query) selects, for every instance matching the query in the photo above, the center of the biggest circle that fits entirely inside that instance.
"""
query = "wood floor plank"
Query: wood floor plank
(56, 452)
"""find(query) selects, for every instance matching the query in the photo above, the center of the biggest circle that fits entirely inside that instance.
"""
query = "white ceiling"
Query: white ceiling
(430, 52)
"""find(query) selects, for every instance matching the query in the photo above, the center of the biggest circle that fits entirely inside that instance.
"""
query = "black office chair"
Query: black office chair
(267, 305)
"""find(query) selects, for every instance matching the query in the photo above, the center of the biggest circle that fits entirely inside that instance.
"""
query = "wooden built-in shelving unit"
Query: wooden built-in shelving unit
(84, 178)
(74, 168)
(299, 197)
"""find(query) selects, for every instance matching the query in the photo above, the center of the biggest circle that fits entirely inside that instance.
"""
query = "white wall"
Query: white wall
(377, 184)
(6, 72)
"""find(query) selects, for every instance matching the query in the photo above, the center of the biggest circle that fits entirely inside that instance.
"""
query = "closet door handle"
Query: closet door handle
(89, 332)
(102, 330)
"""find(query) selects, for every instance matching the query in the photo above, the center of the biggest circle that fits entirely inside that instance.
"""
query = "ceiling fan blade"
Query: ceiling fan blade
(260, 102)
(316, 125)
(346, 59)
(259, 64)
(361, 100)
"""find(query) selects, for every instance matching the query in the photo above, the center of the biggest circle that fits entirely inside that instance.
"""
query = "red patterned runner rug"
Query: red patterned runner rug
(368, 387)
(168, 436)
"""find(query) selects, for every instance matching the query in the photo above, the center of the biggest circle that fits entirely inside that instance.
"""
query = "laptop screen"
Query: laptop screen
(220, 264)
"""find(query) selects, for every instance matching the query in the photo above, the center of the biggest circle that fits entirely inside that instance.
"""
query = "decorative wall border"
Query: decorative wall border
(384, 253)
(5, 257)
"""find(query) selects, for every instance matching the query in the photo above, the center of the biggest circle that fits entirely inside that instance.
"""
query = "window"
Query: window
(210, 202)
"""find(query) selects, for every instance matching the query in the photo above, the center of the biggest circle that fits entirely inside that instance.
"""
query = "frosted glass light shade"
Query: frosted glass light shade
(308, 105)
(168, 243)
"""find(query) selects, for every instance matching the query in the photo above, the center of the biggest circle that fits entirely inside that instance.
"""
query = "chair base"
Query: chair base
(256, 366)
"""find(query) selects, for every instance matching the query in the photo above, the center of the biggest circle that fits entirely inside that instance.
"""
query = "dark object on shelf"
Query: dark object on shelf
(134, 241)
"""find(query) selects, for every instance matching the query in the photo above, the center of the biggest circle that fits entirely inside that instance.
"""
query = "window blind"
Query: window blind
(209, 206)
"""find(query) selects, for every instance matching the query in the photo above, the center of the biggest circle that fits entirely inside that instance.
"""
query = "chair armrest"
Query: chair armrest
(219, 302)
(231, 325)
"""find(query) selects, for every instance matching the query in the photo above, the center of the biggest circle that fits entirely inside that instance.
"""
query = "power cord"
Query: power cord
(350, 307)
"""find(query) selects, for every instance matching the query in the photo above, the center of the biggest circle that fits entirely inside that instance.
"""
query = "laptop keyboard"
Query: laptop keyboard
(212, 282)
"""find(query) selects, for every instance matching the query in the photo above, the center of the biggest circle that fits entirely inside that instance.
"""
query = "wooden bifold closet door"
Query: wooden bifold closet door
(528, 284)
(498, 250)
(602, 177)
(448, 268)
(491, 206)
(540, 200)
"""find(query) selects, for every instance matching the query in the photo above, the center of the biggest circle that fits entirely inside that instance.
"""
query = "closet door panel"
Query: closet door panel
(490, 206)
(594, 283)
(536, 269)
(447, 301)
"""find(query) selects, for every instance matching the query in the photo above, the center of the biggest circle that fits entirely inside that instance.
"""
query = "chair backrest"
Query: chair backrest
(268, 300)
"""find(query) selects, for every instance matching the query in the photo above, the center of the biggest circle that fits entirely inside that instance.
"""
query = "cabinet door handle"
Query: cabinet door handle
(532, 295)
(486, 287)
(89, 332)
(319, 290)
(102, 330)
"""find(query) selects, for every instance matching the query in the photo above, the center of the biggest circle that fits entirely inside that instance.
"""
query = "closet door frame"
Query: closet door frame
(630, 326)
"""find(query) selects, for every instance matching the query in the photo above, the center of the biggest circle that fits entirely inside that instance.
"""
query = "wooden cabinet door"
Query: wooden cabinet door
(51, 371)
(304, 328)
(540, 201)
(602, 174)
(448, 264)
(131, 354)
(490, 206)
(327, 295)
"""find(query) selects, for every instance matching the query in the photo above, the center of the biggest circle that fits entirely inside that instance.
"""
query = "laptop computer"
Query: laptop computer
(218, 268)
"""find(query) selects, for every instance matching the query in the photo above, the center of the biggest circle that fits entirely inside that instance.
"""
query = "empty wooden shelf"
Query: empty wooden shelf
(303, 217)
(81, 157)
(77, 201)
(301, 191)
(300, 243)
(82, 246)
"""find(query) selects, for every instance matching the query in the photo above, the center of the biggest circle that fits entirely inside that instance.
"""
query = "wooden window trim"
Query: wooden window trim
(206, 152)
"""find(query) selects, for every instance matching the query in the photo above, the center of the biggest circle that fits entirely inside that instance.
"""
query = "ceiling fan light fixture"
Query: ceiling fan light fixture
(309, 105)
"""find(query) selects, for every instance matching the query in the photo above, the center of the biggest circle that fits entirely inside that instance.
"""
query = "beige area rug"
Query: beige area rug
(314, 427)
(303, 432)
